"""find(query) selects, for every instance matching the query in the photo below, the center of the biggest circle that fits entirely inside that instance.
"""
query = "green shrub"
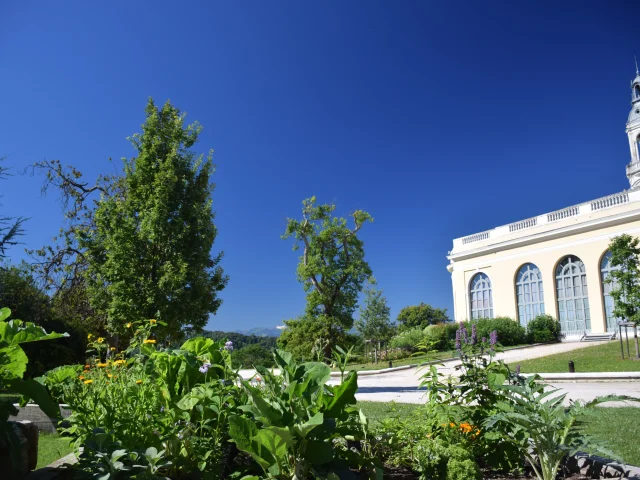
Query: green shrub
(407, 340)
(436, 337)
(510, 332)
(543, 329)
(433, 460)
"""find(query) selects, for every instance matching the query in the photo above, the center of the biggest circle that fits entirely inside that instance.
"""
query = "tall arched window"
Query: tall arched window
(573, 300)
(637, 91)
(529, 293)
(480, 296)
(605, 269)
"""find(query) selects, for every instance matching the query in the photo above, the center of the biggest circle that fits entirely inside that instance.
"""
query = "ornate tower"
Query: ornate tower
(633, 132)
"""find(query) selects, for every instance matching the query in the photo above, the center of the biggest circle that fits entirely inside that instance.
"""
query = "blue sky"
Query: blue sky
(441, 119)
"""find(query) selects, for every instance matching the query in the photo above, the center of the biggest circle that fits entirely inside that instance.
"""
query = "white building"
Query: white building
(554, 263)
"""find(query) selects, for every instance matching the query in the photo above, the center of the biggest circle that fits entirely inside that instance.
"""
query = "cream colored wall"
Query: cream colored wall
(502, 267)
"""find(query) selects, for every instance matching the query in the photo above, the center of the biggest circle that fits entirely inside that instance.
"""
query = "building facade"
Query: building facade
(556, 263)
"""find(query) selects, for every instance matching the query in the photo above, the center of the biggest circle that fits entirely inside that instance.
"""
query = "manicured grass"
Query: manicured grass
(617, 428)
(597, 358)
(51, 447)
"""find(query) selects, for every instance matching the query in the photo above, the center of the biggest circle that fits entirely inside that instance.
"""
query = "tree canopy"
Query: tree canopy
(420, 316)
(375, 321)
(332, 270)
(625, 277)
(10, 227)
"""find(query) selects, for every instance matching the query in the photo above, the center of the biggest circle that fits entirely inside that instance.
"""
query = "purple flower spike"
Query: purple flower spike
(463, 334)
(205, 368)
(484, 339)
(474, 335)
(458, 339)
(493, 339)
(228, 345)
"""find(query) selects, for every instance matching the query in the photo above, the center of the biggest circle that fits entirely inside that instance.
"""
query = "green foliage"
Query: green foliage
(163, 410)
(509, 331)
(535, 421)
(543, 329)
(13, 364)
(437, 337)
(420, 316)
(251, 355)
(240, 340)
(375, 321)
(308, 337)
(407, 339)
(332, 268)
(297, 421)
(625, 277)
(434, 460)
(149, 254)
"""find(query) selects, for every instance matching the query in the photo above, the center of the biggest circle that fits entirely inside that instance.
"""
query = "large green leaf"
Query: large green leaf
(262, 445)
(304, 428)
(4, 314)
(319, 452)
(13, 362)
(317, 373)
(35, 391)
(270, 411)
(343, 394)
(198, 346)
(15, 332)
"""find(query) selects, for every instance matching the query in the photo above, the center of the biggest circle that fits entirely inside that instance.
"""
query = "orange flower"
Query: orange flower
(452, 425)
(81, 377)
(87, 366)
(465, 427)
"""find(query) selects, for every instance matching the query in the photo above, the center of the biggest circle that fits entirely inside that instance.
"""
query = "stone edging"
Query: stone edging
(589, 376)
(593, 466)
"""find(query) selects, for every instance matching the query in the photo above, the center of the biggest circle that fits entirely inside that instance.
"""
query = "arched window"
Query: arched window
(529, 293)
(480, 296)
(637, 91)
(638, 145)
(605, 269)
(573, 300)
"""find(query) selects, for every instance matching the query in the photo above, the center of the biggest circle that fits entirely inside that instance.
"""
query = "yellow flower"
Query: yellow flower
(149, 341)
(89, 337)
(138, 382)
(102, 365)
(113, 349)
(100, 339)
(87, 382)
(129, 325)
(118, 362)
(109, 375)
(152, 322)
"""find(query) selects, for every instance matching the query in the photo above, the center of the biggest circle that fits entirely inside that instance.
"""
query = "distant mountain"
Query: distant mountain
(262, 332)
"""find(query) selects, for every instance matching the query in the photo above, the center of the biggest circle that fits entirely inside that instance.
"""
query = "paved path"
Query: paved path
(402, 385)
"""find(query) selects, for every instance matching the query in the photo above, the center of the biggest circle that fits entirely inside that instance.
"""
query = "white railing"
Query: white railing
(475, 238)
(610, 201)
(530, 222)
(564, 213)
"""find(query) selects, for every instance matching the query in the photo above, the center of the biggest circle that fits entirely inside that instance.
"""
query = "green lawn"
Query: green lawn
(597, 358)
(51, 447)
(618, 428)
(423, 357)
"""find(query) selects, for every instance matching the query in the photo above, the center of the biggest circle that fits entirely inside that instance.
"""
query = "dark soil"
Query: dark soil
(401, 473)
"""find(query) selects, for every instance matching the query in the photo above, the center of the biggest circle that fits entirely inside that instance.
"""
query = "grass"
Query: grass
(617, 428)
(598, 358)
(423, 357)
(51, 447)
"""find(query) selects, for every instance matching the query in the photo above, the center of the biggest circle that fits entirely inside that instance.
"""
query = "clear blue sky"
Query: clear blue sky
(441, 119)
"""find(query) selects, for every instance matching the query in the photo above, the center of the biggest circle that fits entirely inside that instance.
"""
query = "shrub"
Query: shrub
(436, 337)
(542, 329)
(509, 331)
(407, 340)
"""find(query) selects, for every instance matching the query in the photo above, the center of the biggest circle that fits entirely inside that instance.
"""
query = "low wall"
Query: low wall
(33, 414)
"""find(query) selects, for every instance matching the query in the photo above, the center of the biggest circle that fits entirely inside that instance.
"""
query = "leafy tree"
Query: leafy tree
(375, 322)
(252, 355)
(10, 227)
(332, 270)
(420, 316)
(626, 279)
(139, 244)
